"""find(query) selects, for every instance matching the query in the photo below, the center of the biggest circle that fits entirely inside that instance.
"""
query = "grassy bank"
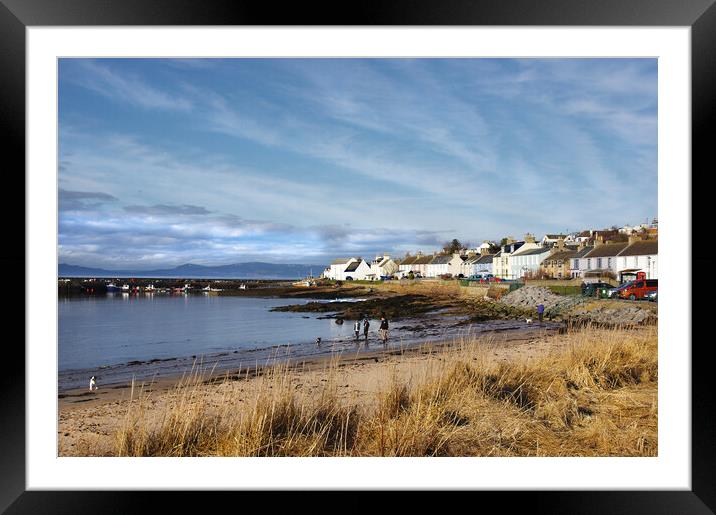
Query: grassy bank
(593, 395)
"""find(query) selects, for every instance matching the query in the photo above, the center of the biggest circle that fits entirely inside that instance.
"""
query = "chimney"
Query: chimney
(633, 237)
(581, 244)
(560, 243)
(529, 238)
(510, 240)
(599, 240)
(420, 253)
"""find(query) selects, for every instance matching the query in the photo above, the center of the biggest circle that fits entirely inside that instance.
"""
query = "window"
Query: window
(576, 263)
(589, 263)
(609, 262)
(599, 262)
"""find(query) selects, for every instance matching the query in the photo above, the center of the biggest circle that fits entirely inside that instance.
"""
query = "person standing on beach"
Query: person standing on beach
(540, 312)
(356, 328)
(93, 384)
(384, 329)
(366, 325)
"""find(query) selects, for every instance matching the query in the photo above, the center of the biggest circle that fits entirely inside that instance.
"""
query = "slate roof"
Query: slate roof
(340, 261)
(641, 248)
(423, 260)
(607, 250)
(441, 260)
(487, 258)
(584, 251)
(410, 260)
(532, 252)
(353, 266)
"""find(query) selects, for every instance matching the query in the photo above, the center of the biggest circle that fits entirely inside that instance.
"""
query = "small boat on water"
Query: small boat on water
(125, 287)
(111, 287)
(150, 288)
(242, 286)
(208, 289)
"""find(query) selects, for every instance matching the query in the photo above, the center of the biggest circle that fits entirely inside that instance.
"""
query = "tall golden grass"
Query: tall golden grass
(593, 395)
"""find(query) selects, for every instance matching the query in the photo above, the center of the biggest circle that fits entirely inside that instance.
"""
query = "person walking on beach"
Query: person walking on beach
(366, 325)
(384, 329)
(93, 384)
(540, 312)
(356, 328)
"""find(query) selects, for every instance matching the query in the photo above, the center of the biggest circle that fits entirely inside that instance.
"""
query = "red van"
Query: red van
(639, 289)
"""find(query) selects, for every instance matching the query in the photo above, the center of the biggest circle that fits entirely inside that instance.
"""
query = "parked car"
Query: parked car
(651, 296)
(638, 289)
(613, 293)
(591, 289)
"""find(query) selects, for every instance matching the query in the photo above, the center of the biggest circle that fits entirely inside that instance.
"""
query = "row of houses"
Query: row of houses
(554, 256)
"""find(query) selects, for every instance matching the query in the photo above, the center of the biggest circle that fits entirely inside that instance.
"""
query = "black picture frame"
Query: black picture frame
(17, 15)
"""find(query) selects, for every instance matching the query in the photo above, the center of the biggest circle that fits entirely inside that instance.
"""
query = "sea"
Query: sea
(118, 337)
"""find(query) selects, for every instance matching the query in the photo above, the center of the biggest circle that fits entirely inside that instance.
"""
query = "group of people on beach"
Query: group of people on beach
(365, 322)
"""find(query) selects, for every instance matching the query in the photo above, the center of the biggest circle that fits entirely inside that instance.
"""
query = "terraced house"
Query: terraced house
(601, 261)
(444, 264)
(501, 261)
(526, 260)
(640, 256)
(557, 264)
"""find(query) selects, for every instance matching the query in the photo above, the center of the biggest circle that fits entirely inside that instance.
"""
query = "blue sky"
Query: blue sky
(217, 161)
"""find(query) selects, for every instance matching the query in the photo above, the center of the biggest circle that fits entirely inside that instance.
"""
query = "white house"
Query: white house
(501, 260)
(406, 265)
(527, 261)
(383, 265)
(480, 264)
(575, 260)
(337, 267)
(602, 259)
(640, 256)
(551, 239)
(358, 271)
(445, 264)
(420, 265)
(515, 267)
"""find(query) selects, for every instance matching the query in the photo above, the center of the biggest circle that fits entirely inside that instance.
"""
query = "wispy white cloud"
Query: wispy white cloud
(123, 87)
(279, 156)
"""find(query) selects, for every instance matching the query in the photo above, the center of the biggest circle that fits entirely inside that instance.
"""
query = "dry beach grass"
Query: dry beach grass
(589, 392)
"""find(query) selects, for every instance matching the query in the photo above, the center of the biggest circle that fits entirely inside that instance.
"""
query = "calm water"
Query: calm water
(120, 336)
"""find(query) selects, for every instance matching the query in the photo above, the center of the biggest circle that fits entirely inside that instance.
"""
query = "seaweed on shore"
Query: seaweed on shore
(394, 307)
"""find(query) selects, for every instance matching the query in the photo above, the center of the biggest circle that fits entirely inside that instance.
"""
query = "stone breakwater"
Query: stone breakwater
(578, 309)
(529, 297)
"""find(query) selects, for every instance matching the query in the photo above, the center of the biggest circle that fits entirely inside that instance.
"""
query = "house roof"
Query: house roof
(582, 252)
(353, 266)
(607, 250)
(565, 254)
(409, 260)
(340, 261)
(554, 236)
(441, 260)
(532, 252)
(424, 260)
(641, 248)
(487, 258)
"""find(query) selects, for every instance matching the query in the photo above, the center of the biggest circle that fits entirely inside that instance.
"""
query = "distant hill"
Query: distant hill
(252, 270)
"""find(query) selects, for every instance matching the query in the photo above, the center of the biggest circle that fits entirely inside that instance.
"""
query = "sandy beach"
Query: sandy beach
(88, 421)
